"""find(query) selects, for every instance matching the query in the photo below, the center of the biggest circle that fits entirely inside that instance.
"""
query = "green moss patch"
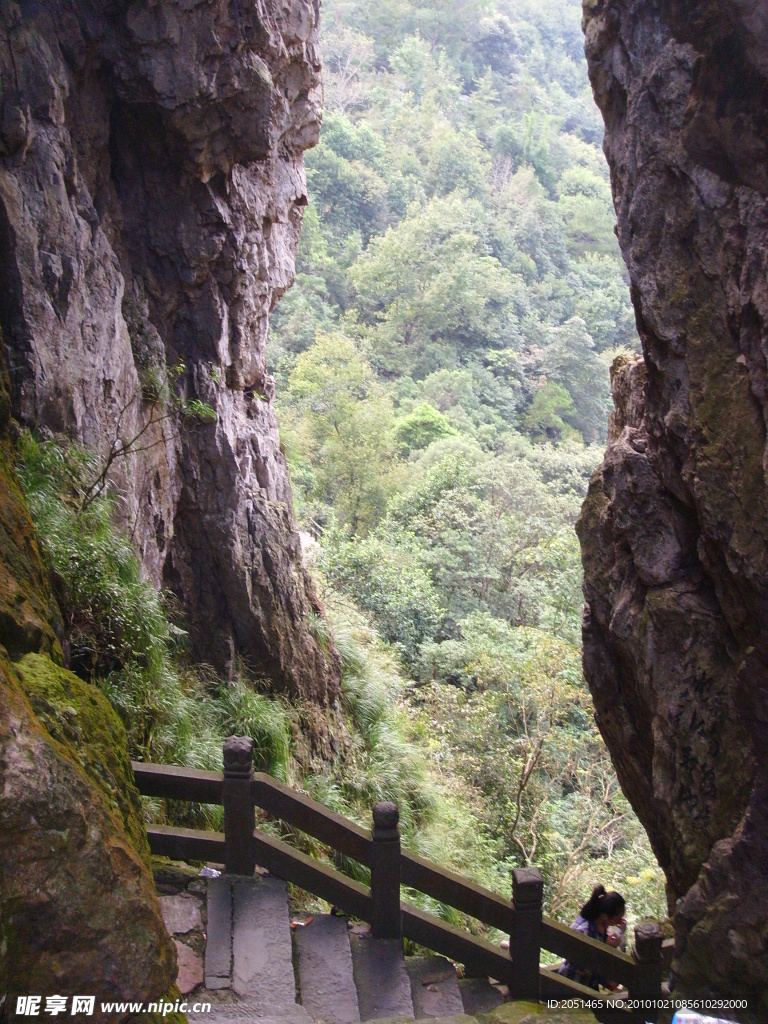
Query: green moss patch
(536, 1013)
(77, 715)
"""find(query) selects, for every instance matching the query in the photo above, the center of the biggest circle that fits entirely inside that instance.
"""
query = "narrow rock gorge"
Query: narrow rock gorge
(674, 531)
(151, 193)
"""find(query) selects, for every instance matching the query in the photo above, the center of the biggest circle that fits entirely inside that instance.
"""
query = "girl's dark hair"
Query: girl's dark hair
(602, 902)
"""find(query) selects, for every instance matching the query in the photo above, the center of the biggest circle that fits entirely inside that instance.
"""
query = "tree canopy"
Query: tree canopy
(443, 394)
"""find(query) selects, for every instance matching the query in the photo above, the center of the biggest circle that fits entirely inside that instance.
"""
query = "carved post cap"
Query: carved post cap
(385, 817)
(527, 887)
(648, 940)
(238, 756)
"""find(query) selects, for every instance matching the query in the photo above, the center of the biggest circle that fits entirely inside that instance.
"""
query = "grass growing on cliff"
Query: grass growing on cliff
(385, 760)
(121, 635)
(121, 638)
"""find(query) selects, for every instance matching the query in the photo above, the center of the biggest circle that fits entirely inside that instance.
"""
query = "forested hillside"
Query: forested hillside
(443, 394)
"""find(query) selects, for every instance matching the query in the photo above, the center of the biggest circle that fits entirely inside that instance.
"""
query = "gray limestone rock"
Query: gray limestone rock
(151, 194)
(674, 530)
(181, 914)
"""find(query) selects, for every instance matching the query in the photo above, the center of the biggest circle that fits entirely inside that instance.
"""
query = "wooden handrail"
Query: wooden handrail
(306, 814)
(456, 891)
(238, 789)
(186, 843)
(329, 884)
(555, 986)
(326, 826)
(313, 876)
(481, 958)
(166, 780)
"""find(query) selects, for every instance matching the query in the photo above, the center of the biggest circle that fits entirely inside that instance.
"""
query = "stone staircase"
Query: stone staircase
(260, 970)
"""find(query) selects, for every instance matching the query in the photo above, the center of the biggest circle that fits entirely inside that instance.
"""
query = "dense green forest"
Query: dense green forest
(443, 395)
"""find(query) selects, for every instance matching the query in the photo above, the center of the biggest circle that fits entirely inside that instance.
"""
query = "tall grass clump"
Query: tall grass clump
(247, 713)
(112, 617)
(379, 763)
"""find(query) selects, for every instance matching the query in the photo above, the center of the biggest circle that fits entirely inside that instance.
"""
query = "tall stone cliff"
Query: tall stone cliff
(78, 908)
(674, 530)
(151, 186)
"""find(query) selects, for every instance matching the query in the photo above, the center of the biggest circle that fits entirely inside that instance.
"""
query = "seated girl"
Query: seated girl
(603, 910)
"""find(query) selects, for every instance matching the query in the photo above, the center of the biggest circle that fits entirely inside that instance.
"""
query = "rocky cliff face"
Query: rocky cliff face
(151, 185)
(78, 910)
(674, 531)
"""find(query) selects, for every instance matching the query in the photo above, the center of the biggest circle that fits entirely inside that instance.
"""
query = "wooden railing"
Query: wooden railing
(242, 846)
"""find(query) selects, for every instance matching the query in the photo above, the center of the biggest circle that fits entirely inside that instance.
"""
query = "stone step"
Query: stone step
(252, 967)
(455, 1018)
(479, 996)
(218, 945)
(262, 952)
(381, 979)
(227, 1008)
(434, 987)
(324, 966)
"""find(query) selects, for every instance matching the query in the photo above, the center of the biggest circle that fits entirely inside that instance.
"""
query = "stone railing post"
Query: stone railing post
(239, 815)
(525, 934)
(386, 920)
(649, 967)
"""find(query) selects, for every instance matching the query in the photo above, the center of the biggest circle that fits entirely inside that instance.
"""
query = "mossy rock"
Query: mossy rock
(78, 715)
(172, 876)
(520, 1012)
(517, 1012)
(78, 899)
(174, 996)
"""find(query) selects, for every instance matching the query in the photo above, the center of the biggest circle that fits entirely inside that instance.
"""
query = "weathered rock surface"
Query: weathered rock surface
(151, 185)
(190, 968)
(674, 530)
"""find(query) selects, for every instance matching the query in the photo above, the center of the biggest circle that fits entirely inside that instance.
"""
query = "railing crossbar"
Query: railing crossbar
(174, 783)
(312, 875)
(302, 812)
(449, 888)
(186, 843)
